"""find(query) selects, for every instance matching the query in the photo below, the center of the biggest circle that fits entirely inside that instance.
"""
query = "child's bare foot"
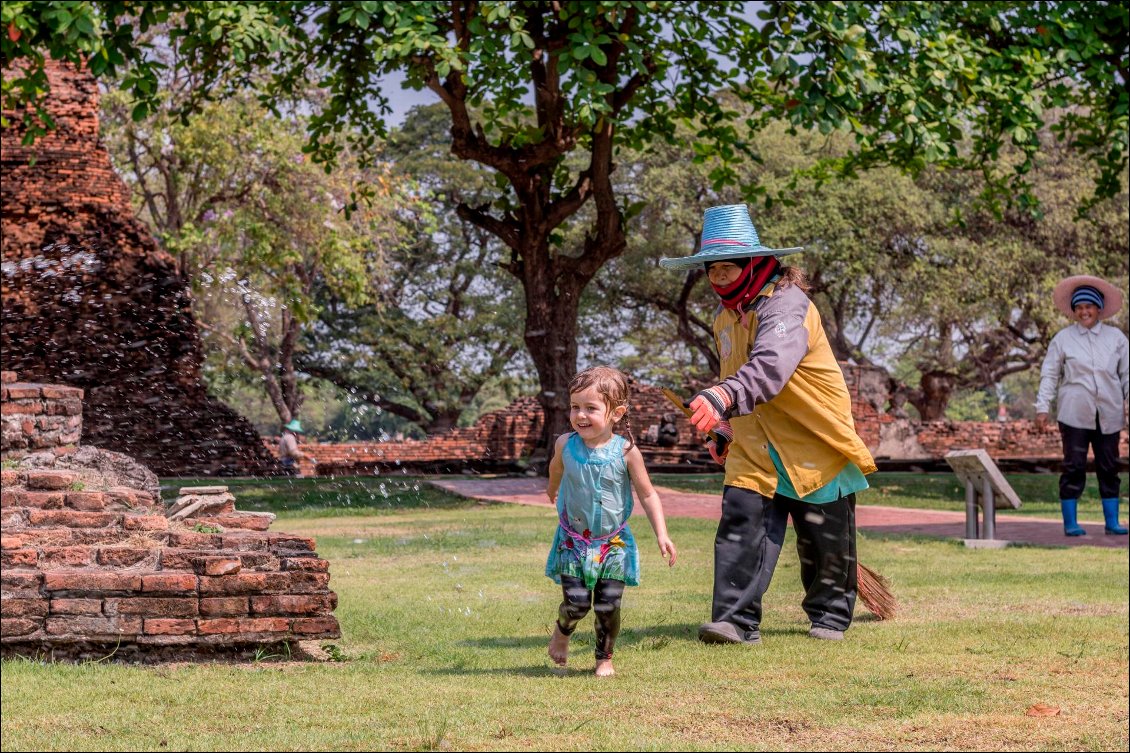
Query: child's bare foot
(559, 647)
(604, 668)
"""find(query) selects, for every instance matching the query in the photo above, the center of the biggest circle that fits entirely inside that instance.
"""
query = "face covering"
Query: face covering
(757, 271)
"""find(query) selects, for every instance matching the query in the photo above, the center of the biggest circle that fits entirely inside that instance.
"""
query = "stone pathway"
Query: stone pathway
(871, 518)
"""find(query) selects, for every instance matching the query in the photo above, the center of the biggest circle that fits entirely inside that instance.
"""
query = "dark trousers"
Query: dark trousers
(750, 535)
(604, 600)
(1074, 478)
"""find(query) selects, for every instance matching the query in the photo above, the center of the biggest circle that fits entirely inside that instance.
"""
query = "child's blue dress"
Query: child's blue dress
(594, 503)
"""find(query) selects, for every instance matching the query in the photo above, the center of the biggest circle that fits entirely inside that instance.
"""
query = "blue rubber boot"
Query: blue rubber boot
(1070, 527)
(1110, 514)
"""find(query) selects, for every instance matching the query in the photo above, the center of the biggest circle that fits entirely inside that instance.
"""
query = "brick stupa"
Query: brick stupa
(91, 301)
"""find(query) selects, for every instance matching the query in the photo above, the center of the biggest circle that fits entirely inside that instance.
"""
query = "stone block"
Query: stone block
(45, 500)
(241, 583)
(13, 540)
(296, 582)
(86, 501)
(52, 557)
(87, 607)
(166, 626)
(24, 607)
(18, 626)
(323, 627)
(305, 564)
(145, 523)
(50, 480)
(128, 557)
(71, 518)
(75, 582)
(191, 540)
(224, 606)
(285, 604)
(168, 583)
(93, 627)
(20, 582)
(217, 565)
(147, 606)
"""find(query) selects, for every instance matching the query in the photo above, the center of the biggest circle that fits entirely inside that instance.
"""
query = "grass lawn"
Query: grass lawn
(1038, 492)
(446, 616)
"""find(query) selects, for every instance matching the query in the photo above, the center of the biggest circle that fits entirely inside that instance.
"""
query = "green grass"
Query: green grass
(1038, 492)
(446, 615)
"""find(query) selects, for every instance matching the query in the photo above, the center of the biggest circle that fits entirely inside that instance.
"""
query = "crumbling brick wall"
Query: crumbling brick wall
(93, 563)
(90, 300)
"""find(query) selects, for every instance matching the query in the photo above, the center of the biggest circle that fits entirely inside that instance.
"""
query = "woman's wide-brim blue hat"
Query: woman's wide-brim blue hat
(295, 425)
(727, 233)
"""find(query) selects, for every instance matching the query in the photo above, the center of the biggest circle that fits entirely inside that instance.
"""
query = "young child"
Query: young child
(594, 554)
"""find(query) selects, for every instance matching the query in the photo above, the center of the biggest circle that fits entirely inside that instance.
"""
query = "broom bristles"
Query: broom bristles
(875, 592)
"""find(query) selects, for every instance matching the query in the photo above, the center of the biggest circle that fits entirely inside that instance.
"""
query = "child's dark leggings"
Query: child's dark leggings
(604, 599)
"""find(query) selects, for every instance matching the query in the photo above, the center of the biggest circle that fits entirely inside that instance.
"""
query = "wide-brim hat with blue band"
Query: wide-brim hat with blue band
(727, 233)
(1110, 296)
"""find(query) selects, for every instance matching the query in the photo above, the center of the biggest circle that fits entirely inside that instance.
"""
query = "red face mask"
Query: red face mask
(757, 271)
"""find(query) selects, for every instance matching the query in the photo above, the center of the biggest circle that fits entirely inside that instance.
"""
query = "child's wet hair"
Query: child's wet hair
(613, 386)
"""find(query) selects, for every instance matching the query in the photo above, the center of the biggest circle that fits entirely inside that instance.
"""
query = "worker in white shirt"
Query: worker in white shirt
(1087, 372)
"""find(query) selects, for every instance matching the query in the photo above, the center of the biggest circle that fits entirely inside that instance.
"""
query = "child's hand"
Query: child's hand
(667, 549)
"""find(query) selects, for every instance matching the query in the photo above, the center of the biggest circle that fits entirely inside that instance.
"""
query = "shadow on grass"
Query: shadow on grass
(918, 538)
(629, 637)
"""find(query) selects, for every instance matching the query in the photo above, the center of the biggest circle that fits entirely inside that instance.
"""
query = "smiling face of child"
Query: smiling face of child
(591, 417)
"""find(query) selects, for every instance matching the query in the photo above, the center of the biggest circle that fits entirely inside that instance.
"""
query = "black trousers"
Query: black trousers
(750, 535)
(1074, 478)
(604, 600)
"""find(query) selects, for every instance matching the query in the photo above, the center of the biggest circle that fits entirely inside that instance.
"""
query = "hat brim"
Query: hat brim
(704, 257)
(1112, 296)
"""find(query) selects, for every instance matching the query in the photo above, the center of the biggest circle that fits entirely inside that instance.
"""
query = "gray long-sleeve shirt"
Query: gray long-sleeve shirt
(1087, 371)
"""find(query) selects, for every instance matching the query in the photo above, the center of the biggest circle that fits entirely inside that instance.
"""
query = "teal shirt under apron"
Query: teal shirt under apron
(848, 481)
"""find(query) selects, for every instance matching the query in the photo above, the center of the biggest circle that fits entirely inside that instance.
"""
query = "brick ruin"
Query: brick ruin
(95, 565)
(90, 300)
(505, 439)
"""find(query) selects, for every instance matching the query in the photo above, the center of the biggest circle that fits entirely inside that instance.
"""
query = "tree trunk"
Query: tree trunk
(551, 338)
(933, 397)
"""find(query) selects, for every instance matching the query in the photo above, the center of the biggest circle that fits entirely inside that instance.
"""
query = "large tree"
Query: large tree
(440, 326)
(913, 81)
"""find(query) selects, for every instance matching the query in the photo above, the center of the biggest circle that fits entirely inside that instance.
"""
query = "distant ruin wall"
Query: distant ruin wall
(502, 440)
(90, 300)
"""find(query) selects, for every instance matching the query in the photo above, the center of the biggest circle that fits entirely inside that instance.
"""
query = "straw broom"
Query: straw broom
(875, 592)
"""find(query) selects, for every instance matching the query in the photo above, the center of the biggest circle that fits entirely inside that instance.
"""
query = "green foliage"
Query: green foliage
(255, 226)
(205, 528)
(972, 405)
(77, 486)
(910, 84)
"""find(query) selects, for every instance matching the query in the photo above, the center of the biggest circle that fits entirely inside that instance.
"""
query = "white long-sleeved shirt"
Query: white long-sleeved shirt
(1087, 371)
